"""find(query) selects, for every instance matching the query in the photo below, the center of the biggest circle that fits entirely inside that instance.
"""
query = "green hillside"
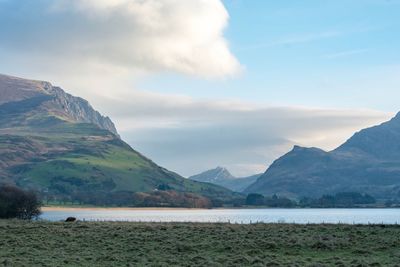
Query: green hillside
(83, 158)
(43, 147)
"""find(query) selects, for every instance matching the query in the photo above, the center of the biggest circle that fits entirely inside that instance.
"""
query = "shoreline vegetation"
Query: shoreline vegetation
(40, 243)
(251, 201)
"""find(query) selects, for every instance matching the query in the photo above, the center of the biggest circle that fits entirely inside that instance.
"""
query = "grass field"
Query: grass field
(184, 244)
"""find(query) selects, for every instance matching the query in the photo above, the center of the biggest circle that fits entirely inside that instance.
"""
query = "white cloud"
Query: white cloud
(152, 35)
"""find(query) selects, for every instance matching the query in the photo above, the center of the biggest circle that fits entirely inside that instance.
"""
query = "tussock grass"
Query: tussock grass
(194, 244)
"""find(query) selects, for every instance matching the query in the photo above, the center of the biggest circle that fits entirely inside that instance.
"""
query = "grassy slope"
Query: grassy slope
(78, 156)
(177, 244)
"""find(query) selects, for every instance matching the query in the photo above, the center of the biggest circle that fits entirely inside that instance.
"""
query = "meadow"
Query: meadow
(194, 244)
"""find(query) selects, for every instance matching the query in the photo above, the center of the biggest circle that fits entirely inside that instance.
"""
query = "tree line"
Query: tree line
(165, 197)
(273, 202)
(339, 200)
(23, 204)
(157, 198)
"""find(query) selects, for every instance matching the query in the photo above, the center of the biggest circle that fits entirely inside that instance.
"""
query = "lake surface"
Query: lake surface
(301, 216)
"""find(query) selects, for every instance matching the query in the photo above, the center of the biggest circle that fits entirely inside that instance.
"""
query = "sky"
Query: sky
(195, 84)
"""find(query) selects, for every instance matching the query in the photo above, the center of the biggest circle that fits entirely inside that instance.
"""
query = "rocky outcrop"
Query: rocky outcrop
(53, 99)
(80, 110)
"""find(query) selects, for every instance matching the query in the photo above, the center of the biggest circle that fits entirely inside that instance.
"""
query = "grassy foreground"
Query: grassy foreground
(184, 244)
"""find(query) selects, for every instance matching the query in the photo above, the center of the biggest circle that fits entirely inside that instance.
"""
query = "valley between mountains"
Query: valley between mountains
(58, 145)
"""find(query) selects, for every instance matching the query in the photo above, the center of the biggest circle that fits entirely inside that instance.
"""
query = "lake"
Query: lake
(300, 216)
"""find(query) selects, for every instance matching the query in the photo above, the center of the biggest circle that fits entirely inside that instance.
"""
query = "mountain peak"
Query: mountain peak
(221, 176)
(306, 150)
(51, 100)
(213, 175)
(297, 147)
(223, 173)
(221, 169)
(14, 89)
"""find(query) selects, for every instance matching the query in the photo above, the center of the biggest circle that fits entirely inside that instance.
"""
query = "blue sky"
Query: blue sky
(198, 84)
(307, 53)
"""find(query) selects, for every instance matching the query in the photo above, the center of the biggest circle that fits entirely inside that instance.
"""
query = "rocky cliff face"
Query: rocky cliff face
(80, 110)
(53, 99)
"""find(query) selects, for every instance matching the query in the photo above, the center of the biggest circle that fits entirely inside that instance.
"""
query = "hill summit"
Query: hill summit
(18, 95)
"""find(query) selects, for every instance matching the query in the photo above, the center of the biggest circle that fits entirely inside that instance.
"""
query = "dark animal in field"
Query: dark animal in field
(70, 219)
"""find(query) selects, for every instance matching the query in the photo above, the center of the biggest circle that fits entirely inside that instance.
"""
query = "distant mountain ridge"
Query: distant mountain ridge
(213, 175)
(369, 162)
(59, 145)
(221, 176)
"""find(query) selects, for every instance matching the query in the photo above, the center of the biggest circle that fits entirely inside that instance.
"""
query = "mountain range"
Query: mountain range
(368, 162)
(59, 145)
(221, 176)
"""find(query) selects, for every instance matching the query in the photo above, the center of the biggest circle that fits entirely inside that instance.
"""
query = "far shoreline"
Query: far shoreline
(61, 208)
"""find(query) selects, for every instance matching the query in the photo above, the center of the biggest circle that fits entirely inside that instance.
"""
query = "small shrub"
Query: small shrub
(18, 203)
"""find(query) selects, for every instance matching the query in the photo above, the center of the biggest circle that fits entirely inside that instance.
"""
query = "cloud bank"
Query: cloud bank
(190, 136)
(135, 35)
